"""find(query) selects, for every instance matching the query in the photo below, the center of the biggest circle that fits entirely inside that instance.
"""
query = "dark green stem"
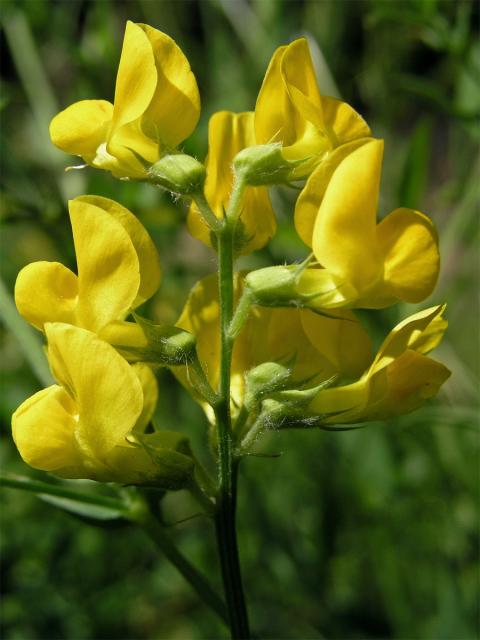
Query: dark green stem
(227, 467)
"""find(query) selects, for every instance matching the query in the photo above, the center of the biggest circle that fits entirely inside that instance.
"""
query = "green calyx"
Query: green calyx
(163, 345)
(178, 173)
(170, 452)
(264, 164)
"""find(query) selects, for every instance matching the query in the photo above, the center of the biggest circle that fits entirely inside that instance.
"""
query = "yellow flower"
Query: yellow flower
(291, 110)
(118, 269)
(400, 378)
(316, 347)
(364, 264)
(78, 428)
(229, 133)
(156, 106)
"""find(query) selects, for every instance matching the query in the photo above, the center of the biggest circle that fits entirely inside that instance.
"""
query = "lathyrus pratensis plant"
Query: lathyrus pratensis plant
(276, 348)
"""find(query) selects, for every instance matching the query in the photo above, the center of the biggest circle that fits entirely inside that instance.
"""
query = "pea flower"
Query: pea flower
(229, 133)
(79, 427)
(291, 110)
(118, 269)
(400, 378)
(316, 347)
(156, 107)
(362, 263)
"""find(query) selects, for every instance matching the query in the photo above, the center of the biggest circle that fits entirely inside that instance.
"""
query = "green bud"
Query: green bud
(178, 173)
(264, 380)
(264, 164)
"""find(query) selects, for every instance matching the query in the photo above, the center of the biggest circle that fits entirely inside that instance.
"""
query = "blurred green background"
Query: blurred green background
(367, 534)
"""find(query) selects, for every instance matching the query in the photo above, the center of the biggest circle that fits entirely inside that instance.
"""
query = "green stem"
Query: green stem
(241, 314)
(253, 433)
(227, 466)
(206, 212)
(201, 585)
(200, 381)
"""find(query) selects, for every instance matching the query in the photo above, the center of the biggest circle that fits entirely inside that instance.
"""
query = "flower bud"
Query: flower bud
(263, 380)
(178, 173)
(264, 164)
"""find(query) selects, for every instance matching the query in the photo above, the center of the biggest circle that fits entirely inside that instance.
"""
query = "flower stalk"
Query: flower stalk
(227, 465)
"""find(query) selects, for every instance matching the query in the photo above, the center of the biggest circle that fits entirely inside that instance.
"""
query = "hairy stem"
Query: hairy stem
(227, 466)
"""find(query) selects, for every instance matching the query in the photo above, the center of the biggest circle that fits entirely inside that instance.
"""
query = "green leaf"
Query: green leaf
(88, 505)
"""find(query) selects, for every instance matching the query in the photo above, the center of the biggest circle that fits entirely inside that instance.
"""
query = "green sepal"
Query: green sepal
(166, 345)
(264, 164)
(170, 451)
(178, 173)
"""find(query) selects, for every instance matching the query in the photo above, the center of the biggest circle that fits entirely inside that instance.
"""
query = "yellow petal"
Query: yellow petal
(275, 335)
(106, 390)
(409, 244)
(82, 127)
(346, 402)
(150, 395)
(201, 316)
(412, 379)
(43, 429)
(344, 236)
(342, 340)
(108, 266)
(273, 109)
(311, 196)
(46, 292)
(342, 122)
(123, 334)
(301, 83)
(229, 133)
(175, 106)
(289, 102)
(147, 254)
(421, 331)
(136, 77)
(325, 291)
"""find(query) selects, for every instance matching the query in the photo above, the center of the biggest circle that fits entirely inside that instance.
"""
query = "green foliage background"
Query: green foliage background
(368, 534)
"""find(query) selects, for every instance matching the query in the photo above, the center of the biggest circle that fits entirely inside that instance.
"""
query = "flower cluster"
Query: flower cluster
(299, 355)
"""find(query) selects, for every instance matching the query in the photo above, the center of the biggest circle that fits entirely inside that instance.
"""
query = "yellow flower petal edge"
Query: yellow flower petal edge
(147, 254)
(291, 110)
(118, 269)
(156, 106)
(229, 133)
(400, 379)
(365, 264)
(46, 292)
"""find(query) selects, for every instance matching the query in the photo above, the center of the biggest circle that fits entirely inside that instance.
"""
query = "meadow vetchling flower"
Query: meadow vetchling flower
(291, 110)
(79, 427)
(118, 269)
(399, 380)
(362, 263)
(156, 107)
